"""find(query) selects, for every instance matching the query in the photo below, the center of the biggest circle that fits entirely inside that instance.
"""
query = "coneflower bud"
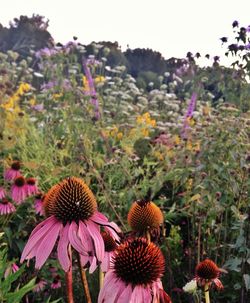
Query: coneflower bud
(144, 215)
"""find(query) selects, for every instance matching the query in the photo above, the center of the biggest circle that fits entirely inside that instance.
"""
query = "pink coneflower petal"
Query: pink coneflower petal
(125, 295)
(112, 288)
(2, 192)
(6, 207)
(94, 231)
(141, 294)
(37, 235)
(85, 237)
(13, 172)
(62, 248)
(74, 239)
(105, 262)
(47, 244)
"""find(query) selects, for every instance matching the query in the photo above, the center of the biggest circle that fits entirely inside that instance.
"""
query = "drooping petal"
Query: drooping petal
(47, 244)
(105, 262)
(141, 294)
(94, 231)
(74, 239)
(37, 235)
(125, 295)
(85, 237)
(99, 218)
(93, 264)
(111, 288)
(62, 248)
(218, 283)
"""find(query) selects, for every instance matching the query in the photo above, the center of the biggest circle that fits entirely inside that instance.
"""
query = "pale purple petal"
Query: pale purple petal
(94, 231)
(106, 262)
(93, 264)
(111, 288)
(62, 248)
(47, 244)
(85, 237)
(125, 295)
(141, 294)
(37, 235)
(74, 239)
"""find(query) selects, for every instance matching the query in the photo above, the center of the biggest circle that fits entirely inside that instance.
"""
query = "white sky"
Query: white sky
(170, 27)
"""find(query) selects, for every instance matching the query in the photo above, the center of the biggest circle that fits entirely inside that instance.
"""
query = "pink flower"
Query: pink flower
(56, 282)
(135, 276)
(6, 207)
(2, 192)
(72, 214)
(38, 204)
(31, 187)
(13, 172)
(40, 285)
(11, 269)
(18, 190)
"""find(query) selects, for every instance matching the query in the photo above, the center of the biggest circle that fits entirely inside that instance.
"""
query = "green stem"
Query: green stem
(206, 290)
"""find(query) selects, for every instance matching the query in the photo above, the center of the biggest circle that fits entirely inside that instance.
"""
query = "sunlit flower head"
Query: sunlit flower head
(144, 215)
(136, 270)
(72, 214)
(208, 272)
(13, 172)
(6, 207)
(18, 190)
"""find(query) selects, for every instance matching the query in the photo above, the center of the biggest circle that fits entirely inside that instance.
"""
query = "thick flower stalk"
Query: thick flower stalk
(73, 218)
(137, 267)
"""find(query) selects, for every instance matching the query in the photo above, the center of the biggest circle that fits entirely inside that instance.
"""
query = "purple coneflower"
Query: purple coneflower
(208, 272)
(56, 282)
(13, 172)
(40, 285)
(72, 214)
(18, 190)
(31, 186)
(11, 269)
(6, 207)
(38, 204)
(137, 267)
(2, 192)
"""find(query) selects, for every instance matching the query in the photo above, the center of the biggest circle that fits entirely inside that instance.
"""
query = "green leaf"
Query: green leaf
(6, 285)
(16, 296)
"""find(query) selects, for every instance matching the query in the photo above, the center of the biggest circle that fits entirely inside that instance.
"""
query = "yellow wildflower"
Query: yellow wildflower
(119, 135)
(57, 96)
(189, 184)
(189, 146)
(177, 139)
(85, 83)
(145, 132)
(158, 155)
(100, 79)
(32, 101)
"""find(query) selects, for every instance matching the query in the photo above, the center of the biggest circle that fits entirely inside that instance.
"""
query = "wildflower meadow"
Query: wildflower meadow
(119, 186)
